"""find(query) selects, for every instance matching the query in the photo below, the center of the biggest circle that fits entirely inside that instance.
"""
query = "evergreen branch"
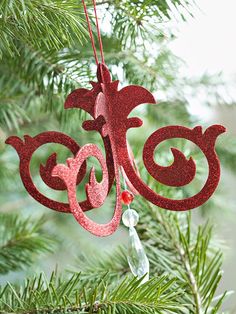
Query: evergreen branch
(21, 240)
(39, 295)
(44, 72)
(135, 20)
(51, 23)
(46, 77)
(173, 244)
(142, 68)
(12, 115)
(94, 265)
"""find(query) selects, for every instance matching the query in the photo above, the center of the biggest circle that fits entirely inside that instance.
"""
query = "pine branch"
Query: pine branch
(94, 265)
(193, 259)
(21, 241)
(172, 247)
(51, 23)
(39, 87)
(11, 114)
(39, 295)
(47, 77)
(133, 21)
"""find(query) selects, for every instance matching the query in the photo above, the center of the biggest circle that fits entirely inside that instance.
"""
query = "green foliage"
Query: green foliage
(185, 272)
(191, 257)
(21, 241)
(71, 295)
(96, 264)
(174, 248)
(51, 23)
(12, 115)
(135, 20)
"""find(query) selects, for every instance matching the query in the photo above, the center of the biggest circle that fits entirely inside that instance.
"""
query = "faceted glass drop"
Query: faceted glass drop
(130, 218)
(137, 259)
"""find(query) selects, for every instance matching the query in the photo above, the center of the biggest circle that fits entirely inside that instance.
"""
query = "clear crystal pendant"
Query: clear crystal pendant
(137, 259)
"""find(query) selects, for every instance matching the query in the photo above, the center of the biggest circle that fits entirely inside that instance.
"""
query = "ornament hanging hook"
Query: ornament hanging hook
(91, 32)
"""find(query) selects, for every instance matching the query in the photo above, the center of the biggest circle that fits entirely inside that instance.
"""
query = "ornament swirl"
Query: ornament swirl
(96, 192)
(26, 149)
(182, 171)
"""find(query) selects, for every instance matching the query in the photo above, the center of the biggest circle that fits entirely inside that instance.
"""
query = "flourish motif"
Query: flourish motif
(110, 109)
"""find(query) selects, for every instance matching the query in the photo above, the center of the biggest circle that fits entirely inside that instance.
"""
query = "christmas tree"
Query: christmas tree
(47, 262)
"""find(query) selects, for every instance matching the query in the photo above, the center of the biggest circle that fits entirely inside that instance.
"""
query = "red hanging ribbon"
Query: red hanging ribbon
(91, 32)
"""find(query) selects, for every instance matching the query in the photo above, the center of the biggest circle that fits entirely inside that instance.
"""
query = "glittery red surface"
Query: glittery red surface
(96, 192)
(110, 108)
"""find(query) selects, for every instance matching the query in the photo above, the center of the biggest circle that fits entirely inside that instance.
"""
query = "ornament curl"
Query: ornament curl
(96, 192)
(27, 147)
(182, 171)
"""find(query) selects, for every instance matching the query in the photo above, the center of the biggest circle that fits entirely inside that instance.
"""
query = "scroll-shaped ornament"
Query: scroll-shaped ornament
(110, 108)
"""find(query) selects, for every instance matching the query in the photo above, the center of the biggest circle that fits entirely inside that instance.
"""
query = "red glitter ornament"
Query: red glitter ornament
(110, 108)
(127, 197)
